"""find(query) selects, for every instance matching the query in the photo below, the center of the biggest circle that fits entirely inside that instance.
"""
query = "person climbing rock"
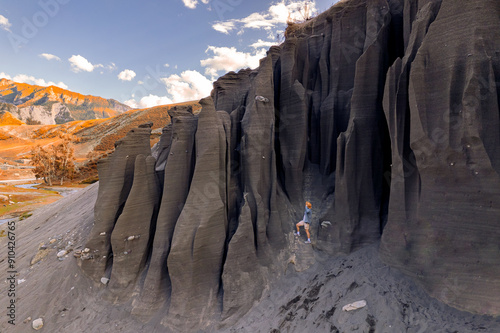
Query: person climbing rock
(306, 220)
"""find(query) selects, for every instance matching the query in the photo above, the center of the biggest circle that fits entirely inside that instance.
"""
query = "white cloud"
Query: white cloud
(190, 3)
(148, 101)
(167, 65)
(189, 86)
(4, 23)
(227, 59)
(261, 43)
(79, 63)
(126, 75)
(258, 21)
(110, 68)
(153, 100)
(49, 56)
(5, 76)
(132, 103)
(193, 3)
(224, 27)
(23, 78)
(275, 15)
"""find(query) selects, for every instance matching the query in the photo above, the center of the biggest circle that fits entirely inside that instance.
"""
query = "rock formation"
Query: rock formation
(117, 176)
(384, 114)
(441, 101)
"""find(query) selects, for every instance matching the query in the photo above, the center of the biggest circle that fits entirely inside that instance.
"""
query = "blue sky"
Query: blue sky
(143, 53)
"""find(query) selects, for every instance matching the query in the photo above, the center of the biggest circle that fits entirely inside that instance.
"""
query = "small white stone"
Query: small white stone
(19, 281)
(102, 234)
(131, 238)
(261, 99)
(354, 306)
(37, 324)
(86, 250)
(104, 280)
(62, 253)
(326, 224)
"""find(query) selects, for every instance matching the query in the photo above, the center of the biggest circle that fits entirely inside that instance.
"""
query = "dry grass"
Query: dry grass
(23, 200)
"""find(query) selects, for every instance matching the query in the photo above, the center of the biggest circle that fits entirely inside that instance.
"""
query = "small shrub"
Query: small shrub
(24, 216)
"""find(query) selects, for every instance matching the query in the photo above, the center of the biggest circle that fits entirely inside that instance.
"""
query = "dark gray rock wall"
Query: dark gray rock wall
(130, 238)
(178, 172)
(259, 224)
(196, 254)
(442, 105)
(117, 174)
(383, 114)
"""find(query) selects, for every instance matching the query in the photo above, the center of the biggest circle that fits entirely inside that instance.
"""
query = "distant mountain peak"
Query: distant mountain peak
(54, 105)
(4, 81)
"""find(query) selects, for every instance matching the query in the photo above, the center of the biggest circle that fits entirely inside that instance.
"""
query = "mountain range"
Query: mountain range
(36, 105)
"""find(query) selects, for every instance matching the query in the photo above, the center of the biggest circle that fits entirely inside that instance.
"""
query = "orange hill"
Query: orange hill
(30, 102)
(8, 119)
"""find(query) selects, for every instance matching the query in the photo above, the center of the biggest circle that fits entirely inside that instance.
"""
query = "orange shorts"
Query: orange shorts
(302, 223)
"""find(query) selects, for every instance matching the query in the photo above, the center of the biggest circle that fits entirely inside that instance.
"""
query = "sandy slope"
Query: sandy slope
(312, 301)
(309, 301)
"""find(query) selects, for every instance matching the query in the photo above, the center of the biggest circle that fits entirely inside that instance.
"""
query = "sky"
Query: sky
(141, 53)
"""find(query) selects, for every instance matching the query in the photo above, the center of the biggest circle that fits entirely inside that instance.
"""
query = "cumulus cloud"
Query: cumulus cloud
(224, 27)
(275, 15)
(225, 59)
(189, 86)
(23, 78)
(79, 64)
(126, 75)
(148, 101)
(193, 3)
(261, 43)
(4, 23)
(5, 76)
(49, 56)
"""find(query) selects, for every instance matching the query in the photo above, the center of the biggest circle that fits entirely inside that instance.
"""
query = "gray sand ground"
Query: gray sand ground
(309, 301)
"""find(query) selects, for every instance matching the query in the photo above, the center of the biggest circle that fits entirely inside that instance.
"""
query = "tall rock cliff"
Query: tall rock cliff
(441, 101)
(384, 114)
